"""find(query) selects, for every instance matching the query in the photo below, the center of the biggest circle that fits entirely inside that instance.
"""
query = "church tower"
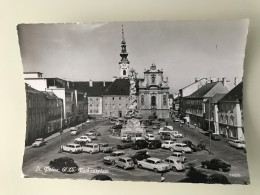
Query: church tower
(124, 63)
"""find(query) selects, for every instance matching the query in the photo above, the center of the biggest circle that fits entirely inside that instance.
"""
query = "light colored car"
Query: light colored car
(111, 159)
(175, 164)
(154, 164)
(72, 148)
(125, 137)
(138, 136)
(176, 134)
(91, 135)
(176, 120)
(38, 142)
(181, 147)
(82, 139)
(179, 156)
(167, 144)
(237, 144)
(105, 148)
(74, 130)
(125, 162)
(165, 129)
(149, 137)
(90, 148)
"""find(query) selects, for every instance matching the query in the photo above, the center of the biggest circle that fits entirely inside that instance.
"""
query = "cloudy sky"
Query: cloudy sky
(183, 49)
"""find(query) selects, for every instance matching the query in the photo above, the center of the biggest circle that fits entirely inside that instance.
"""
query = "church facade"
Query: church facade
(153, 93)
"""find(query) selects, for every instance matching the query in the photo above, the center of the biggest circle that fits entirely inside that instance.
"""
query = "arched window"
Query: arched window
(232, 120)
(164, 100)
(142, 100)
(124, 72)
(153, 101)
(226, 119)
(221, 118)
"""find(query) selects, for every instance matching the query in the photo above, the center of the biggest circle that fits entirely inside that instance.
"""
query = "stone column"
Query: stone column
(238, 118)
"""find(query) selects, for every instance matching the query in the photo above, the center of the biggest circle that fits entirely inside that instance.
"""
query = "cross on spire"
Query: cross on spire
(123, 34)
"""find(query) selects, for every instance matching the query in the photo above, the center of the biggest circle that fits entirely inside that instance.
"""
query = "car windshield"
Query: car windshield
(156, 162)
(129, 160)
(105, 145)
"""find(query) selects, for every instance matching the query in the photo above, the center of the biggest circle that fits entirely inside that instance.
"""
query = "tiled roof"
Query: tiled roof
(31, 90)
(50, 95)
(217, 97)
(97, 88)
(203, 90)
(235, 94)
(118, 87)
(193, 83)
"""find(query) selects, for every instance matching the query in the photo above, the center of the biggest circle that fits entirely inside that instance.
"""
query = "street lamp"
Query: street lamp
(60, 125)
(210, 131)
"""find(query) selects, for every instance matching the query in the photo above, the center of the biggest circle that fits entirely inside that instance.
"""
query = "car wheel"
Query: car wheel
(71, 151)
(171, 149)
(156, 170)
(174, 169)
(205, 166)
(124, 167)
(91, 152)
(140, 166)
(220, 169)
(183, 151)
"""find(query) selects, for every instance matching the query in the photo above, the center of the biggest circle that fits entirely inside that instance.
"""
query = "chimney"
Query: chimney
(235, 81)
(196, 80)
(90, 83)
(104, 83)
(224, 81)
(213, 79)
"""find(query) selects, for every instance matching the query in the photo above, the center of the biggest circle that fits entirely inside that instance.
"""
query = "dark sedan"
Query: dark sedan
(64, 165)
(154, 144)
(139, 144)
(191, 145)
(216, 164)
(140, 155)
(125, 145)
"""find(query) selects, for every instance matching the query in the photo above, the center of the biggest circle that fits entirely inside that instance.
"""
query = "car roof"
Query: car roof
(92, 144)
(183, 144)
(154, 159)
(171, 158)
(119, 151)
(177, 153)
(125, 157)
(73, 144)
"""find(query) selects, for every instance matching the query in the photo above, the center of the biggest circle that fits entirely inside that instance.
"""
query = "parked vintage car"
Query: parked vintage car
(72, 148)
(82, 140)
(154, 144)
(111, 159)
(125, 145)
(90, 148)
(64, 165)
(139, 144)
(74, 130)
(215, 136)
(167, 144)
(125, 137)
(140, 155)
(154, 164)
(191, 145)
(179, 156)
(96, 133)
(149, 137)
(165, 136)
(216, 164)
(181, 147)
(175, 164)
(91, 135)
(39, 142)
(237, 144)
(125, 162)
(176, 134)
(105, 148)
(165, 129)
(138, 136)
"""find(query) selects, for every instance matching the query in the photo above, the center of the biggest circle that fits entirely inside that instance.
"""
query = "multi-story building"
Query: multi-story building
(153, 94)
(116, 98)
(230, 113)
(54, 110)
(36, 115)
(194, 105)
(94, 91)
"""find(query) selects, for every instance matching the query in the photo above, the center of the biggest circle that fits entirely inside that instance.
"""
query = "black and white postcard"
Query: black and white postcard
(135, 101)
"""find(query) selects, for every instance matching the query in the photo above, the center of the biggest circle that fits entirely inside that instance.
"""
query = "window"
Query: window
(221, 118)
(226, 119)
(232, 120)
(113, 98)
(153, 101)
(119, 98)
(142, 100)
(164, 100)
(124, 72)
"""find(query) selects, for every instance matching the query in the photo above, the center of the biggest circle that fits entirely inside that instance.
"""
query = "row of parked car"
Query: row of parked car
(142, 159)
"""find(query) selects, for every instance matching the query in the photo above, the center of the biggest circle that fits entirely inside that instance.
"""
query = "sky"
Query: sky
(185, 50)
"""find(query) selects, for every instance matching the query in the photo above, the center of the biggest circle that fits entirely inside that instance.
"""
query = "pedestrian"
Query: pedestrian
(162, 177)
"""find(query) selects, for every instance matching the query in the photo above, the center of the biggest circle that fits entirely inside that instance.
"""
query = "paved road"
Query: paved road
(35, 158)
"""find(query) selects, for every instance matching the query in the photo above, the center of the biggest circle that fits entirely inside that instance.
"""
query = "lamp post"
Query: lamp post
(209, 130)
(60, 125)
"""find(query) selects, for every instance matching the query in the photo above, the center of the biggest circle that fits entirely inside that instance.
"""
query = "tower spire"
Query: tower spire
(124, 63)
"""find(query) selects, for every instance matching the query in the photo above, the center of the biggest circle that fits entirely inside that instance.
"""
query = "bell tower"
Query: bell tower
(124, 63)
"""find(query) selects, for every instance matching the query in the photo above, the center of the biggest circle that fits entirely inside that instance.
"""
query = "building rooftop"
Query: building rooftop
(217, 97)
(236, 94)
(97, 88)
(31, 90)
(118, 87)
